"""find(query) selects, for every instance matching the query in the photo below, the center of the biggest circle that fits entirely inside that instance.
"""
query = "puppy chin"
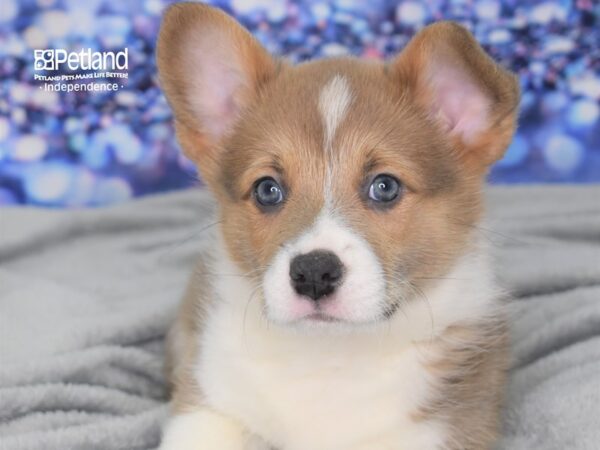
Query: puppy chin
(320, 324)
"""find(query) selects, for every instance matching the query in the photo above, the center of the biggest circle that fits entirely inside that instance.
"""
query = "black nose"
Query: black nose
(316, 274)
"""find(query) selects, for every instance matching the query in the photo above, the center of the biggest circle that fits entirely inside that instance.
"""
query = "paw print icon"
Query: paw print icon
(44, 60)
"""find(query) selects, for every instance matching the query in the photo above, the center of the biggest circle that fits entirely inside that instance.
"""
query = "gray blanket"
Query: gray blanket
(86, 297)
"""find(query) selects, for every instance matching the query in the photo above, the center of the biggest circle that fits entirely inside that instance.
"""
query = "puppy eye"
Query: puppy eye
(384, 188)
(267, 192)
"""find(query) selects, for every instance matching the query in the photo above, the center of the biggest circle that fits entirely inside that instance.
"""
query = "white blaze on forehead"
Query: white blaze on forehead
(334, 99)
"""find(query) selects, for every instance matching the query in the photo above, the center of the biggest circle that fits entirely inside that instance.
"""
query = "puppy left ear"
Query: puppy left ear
(470, 97)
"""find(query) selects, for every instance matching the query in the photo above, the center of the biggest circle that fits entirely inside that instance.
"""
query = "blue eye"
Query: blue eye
(267, 192)
(384, 189)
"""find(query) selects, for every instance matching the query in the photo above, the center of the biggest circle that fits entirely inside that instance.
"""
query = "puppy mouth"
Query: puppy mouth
(322, 317)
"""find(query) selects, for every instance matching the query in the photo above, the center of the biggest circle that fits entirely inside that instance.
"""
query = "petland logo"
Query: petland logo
(91, 71)
(85, 59)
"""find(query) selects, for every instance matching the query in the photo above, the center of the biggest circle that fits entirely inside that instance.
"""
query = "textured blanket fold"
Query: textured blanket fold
(86, 297)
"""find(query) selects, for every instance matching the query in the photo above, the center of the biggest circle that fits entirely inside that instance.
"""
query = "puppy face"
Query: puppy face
(344, 186)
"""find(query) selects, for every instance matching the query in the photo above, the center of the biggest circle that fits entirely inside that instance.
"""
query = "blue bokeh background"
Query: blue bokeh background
(91, 149)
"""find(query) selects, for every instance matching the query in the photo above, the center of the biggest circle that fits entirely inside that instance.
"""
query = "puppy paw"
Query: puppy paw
(203, 430)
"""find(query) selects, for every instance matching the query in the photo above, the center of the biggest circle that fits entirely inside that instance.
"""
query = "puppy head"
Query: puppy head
(344, 186)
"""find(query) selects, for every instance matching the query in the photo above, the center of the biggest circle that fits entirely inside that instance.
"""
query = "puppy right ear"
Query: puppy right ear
(210, 68)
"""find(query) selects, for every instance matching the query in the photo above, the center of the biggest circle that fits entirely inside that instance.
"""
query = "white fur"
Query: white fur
(354, 390)
(359, 299)
(203, 429)
(334, 100)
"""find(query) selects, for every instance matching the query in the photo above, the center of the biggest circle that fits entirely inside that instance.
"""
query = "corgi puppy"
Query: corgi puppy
(345, 301)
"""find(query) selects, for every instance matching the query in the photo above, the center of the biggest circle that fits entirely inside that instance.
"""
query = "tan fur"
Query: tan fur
(386, 129)
(470, 366)
(182, 343)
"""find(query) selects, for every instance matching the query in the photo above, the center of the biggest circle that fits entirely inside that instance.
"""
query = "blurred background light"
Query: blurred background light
(563, 153)
(583, 114)
(111, 190)
(4, 128)
(56, 24)
(488, 9)
(9, 10)
(48, 184)
(29, 147)
(411, 13)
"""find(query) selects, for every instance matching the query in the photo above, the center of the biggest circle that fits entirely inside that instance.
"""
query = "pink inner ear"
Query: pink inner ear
(216, 80)
(458, 102)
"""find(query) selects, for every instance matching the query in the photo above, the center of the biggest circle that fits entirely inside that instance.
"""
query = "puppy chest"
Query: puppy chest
(299, 401)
